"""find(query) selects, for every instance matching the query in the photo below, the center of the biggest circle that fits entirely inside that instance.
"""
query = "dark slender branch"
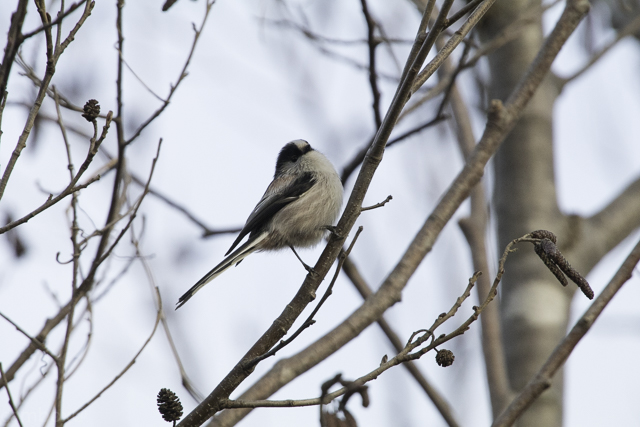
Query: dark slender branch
(452, 80)
(373, 78)
(206, 231)
(451, 44)
(377, 205)
(38, 343)
(126, 368)
(183, 74)
(14, 40)
(11, 404)
(56, 21)
(71, 187)
(463, 11)
(315, 37)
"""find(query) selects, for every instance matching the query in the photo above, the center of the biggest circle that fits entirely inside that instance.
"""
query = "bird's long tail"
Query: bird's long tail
(233, 259)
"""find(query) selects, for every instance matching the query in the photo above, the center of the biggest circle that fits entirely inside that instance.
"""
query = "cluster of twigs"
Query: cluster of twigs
(122, 211)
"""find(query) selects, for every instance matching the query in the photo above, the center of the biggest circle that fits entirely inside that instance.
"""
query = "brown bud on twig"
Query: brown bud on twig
(169, 405)
(91, 110)
(557, 263)
(445, 358)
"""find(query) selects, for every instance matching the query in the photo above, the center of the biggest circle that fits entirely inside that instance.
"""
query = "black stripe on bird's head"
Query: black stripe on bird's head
(290, 154)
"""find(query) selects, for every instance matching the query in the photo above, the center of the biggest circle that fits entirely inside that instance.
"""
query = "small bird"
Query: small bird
(300, 205)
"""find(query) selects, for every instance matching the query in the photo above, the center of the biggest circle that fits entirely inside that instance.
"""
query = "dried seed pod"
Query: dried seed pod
(91, 110)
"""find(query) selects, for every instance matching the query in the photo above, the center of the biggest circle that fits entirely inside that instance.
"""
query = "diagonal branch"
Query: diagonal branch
(600, 233)
(14, 40)
(373, 77)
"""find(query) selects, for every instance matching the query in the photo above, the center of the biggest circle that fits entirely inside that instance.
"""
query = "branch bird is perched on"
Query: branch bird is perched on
(302, 201)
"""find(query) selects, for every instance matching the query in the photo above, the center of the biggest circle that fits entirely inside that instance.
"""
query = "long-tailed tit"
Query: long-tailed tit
(300, 204)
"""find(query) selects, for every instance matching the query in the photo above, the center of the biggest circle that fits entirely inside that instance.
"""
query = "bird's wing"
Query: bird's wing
(279, 194)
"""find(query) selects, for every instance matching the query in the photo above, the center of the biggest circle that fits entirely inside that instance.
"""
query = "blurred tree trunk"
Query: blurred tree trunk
(534, 308)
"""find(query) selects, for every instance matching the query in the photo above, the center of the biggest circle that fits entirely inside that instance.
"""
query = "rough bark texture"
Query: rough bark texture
(535, 308)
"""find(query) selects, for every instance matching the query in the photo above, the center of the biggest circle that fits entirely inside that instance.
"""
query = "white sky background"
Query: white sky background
(251, 88)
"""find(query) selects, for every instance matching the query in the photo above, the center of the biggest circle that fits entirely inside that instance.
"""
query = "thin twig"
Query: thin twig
(373, 77)
(126, 368)
(186, 381)
(56, 21)
(6, 386)
(463, 11)
(71, 187)
(183, 74)
(378, 205)
(39, 344)
(52, 58)
(62, 358)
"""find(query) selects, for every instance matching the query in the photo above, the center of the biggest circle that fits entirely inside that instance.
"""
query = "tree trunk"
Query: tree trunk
(535, 309)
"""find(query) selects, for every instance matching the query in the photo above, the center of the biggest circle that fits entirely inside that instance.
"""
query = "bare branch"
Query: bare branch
(14, 40)
(598, 234)
(56, 21)
(11, 404)
(71, 187)
(377, 205)
(350, 167)
(183, 74)
(52, 58)
(35, 341)
(373, 78)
